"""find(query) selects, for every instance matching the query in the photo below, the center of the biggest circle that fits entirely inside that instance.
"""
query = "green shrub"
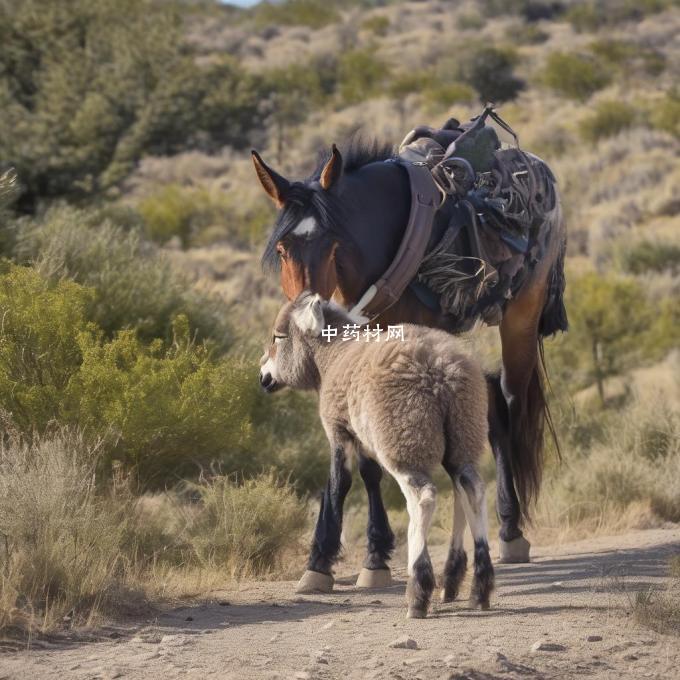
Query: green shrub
(378, 25)
(652, 256)
(608, 319)
(489, 70)
(443, 96)
(246, 527)
(591, 16)
(609, 118)
(174, 212)
(574, 75)
(526, 34)
(624, 55)
(39, 348)
(312, 13)
(168, 411)
(134, 287)
(361, 75)
(87, 88)
(470, 21)
(666, 114)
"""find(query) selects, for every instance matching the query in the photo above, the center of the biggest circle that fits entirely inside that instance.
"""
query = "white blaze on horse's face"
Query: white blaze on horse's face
(307, 228)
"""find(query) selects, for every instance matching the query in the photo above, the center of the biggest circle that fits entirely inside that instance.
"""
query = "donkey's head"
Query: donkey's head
(289, 359)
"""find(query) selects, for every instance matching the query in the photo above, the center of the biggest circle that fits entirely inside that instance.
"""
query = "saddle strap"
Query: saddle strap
(425, 201)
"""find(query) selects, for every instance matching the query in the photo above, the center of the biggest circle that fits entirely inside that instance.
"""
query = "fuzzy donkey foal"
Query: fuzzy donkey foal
(410, 405)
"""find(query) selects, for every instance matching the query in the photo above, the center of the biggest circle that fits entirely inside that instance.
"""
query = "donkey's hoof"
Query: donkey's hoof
(374, 578)
(414, 613)
(314, 582)
(515, 551)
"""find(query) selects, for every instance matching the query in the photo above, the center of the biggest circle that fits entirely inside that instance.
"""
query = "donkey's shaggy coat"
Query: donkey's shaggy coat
(410, 405)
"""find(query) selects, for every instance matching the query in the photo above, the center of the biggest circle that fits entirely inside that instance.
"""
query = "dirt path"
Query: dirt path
(263, 630)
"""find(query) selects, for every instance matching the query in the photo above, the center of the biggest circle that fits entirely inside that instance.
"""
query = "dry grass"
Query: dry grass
(73, 550)
(660, 609)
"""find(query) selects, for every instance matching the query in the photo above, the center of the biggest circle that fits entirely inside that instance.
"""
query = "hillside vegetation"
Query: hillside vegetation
(134, 309)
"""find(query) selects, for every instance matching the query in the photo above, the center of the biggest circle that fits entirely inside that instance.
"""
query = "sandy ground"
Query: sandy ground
(568, 597)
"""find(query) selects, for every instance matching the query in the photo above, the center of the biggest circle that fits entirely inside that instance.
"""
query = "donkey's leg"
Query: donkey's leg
(456, 562)
(507, 503)
(326, 542)
(375, 573)
(471, 488)
(420, 495)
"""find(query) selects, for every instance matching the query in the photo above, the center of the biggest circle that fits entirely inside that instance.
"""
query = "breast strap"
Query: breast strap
(426, 199)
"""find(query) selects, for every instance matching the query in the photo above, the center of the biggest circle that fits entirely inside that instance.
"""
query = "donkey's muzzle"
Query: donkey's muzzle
(268, 383)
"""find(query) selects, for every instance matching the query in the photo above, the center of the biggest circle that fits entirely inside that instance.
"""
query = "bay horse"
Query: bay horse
(336, 233)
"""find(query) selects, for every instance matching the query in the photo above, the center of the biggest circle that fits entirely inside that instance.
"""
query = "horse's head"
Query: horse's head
(336, 231)
(304, 244)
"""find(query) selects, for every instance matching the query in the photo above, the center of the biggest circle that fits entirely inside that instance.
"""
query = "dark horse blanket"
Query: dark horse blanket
(497, 201)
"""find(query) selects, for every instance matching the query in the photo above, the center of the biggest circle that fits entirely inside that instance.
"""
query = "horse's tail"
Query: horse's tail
(528, 430)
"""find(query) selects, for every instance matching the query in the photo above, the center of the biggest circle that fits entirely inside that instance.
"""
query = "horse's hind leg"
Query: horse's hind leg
(471, 488)
(420, 495)
(456, 562)
(507, 503)
(327, 542)
(375, 572)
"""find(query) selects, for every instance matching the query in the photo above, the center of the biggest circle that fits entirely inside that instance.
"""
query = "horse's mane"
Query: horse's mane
(307, 196)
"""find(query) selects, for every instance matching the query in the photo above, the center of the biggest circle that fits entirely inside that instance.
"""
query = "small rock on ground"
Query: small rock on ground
(541, 646)
(403, 643)
(594, 638)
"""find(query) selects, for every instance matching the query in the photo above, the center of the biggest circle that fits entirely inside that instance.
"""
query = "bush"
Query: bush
(627, 56)
(489, 70)
(666, 114)
(574, 75)
(652, 256)
(246, 527)
(361, 75)
(443, 96)
(134, 287)
(526, 34)
(470, 21)
(62, 539)
(591, 16)
(312, 13)
(73, 551)
(39, 348)
(167, 412)
(87, 88)
(378, 25)
(608, 319)
(609, 118)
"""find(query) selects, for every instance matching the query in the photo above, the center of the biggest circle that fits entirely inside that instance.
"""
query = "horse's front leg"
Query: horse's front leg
(375, 572)
(326, 542)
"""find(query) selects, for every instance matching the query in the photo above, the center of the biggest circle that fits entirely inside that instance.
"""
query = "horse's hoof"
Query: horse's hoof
(314, 582)
(414, 613)
(374, 578)
(515, 551)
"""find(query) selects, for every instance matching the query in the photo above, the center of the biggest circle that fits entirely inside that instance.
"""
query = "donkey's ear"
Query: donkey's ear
(309, 316)
(276, 186)
(332, 170)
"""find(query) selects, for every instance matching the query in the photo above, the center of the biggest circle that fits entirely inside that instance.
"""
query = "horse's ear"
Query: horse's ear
(332, 170)
(276, 186)
(309, 315)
